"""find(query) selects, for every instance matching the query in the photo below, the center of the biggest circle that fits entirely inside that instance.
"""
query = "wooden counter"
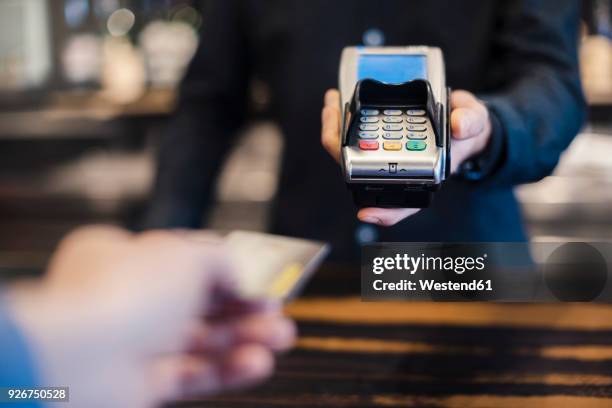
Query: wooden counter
(354, 354)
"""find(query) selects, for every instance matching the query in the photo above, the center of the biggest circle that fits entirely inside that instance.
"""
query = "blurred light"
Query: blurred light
(365, 234)
(103, 8)
(82, 58)
(75, 12)
(189, 15)
(168, 47)
(373, 37)
(123, 73)
(120, 22)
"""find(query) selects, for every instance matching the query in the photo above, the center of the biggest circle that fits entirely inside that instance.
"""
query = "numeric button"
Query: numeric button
(369, 112)
(392, 127)
(392, 119)
(392, 135)
(416, 112)
(419, 120)
(368, 119)
(368, 135)
(368, 127)
(416, 136)
(392, 112)
(416, 128)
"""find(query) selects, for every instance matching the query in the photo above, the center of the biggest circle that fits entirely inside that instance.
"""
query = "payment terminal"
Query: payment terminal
(395, 124)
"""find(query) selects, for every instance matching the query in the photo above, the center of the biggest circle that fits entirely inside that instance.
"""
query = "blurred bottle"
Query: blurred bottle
(123, 45)
(99, 50)
(124, 75)
(81, 53)
(169, 40)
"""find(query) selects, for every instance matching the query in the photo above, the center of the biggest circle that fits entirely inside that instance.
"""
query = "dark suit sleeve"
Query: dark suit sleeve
(211, 108)
(538, 106)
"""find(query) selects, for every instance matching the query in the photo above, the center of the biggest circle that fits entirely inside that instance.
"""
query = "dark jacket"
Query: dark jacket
(520, 56)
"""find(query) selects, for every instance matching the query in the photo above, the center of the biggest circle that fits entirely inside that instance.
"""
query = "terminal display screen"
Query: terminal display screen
(392, 69)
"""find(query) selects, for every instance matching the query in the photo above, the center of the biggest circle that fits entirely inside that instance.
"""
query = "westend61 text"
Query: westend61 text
(432, 285)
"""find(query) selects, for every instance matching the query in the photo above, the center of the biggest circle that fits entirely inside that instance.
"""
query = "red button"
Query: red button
(368, 145)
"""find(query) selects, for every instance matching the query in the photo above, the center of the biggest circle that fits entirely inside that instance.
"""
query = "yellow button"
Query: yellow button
(392, 145)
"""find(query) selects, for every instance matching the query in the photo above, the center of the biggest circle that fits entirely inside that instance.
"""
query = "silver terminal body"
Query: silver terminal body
(386, 166)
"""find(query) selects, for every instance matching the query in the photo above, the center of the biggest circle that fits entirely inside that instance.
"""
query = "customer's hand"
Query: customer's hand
(134, 320)
(471, 130)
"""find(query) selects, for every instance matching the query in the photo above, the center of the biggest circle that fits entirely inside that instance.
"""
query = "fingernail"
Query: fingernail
(371, 220)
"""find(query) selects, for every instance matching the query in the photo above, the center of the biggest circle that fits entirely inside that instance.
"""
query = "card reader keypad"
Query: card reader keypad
(408, 129)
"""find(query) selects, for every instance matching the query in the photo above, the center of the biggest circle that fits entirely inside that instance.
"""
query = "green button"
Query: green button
(416, 145)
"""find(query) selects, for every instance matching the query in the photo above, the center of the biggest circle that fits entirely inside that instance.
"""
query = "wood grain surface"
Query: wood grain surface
(401, 354)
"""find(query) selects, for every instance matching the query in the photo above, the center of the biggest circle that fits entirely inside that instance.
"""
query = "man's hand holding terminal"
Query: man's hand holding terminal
(470, 129)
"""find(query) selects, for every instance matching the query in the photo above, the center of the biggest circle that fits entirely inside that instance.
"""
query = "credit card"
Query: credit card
(273, 266)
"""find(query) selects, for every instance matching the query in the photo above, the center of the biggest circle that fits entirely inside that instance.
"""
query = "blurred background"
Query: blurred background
(87, 85)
